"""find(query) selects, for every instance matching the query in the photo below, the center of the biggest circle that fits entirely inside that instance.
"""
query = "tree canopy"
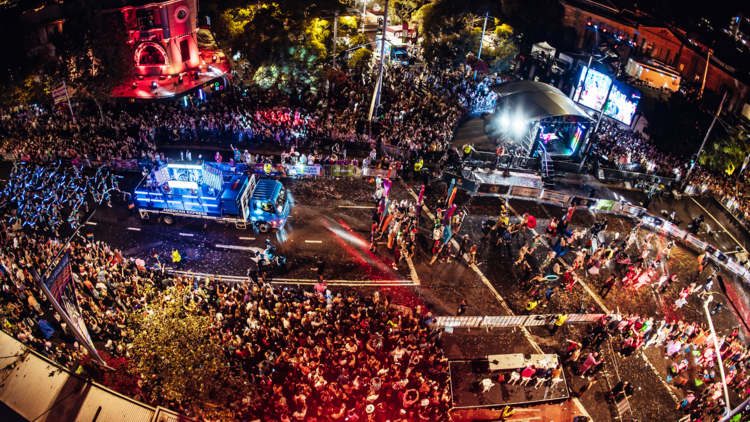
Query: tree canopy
(175, 355)
(93, 57)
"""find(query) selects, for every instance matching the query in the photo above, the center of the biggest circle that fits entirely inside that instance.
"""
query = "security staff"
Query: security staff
(267, 169)
(467, 150)
(176, 258)
(418, 167)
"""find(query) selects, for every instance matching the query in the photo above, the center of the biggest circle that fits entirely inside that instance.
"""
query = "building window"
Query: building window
(181, 14)
(145, 19)
(184, 50)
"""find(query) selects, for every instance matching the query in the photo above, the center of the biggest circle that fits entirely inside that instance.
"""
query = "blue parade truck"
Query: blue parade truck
(212, 191)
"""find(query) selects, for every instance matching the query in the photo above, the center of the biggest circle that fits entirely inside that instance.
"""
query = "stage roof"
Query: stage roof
(536, 100)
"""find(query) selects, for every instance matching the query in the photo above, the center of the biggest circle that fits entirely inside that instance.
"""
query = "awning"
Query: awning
(537, 101)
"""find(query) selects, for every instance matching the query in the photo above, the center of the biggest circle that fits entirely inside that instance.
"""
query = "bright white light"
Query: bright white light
(504, 121)
(519, 126)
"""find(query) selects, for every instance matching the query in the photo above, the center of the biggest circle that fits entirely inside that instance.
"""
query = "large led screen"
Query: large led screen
(592, 91)
(623, 100)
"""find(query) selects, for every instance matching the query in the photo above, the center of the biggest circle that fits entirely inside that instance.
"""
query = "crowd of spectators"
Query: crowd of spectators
(309, 354)
(631, 151)
(419, 110)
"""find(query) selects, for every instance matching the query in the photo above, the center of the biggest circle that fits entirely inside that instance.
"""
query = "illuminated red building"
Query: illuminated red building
(163, 35)
(173, 55)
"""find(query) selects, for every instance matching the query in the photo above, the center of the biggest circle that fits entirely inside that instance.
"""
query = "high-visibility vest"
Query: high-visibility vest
(176, 256)
(267, 168)
(417, 166)
(561, 320)
(467, 148)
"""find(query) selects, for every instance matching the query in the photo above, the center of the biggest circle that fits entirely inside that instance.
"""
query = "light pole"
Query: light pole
(376, 98)
(716, 347)
(335, 33)
(364, 14)
(481, 41)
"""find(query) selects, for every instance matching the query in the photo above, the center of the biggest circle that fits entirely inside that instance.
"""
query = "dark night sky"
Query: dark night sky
(682, 11)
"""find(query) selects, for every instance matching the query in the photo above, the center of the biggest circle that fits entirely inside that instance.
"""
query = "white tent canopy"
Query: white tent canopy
(543, 47)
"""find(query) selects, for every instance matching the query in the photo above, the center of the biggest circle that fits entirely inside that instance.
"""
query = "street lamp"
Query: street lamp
(716, 346)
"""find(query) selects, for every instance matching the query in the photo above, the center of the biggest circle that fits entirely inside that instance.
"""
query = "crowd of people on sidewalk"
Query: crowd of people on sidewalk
(419, 111)
(310, 354)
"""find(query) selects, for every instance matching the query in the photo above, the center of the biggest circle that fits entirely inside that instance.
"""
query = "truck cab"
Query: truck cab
(269, 205)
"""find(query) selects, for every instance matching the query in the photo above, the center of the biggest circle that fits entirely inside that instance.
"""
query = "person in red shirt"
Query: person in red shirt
(527, 374)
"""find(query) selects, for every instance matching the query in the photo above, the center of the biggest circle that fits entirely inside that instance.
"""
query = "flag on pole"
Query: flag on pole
(60, 93)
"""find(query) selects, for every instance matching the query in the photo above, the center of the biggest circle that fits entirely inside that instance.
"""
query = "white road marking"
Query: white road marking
(581, 408)
(413, 272)
(346, 283)
(91, 223)
(134, 229)
(247, 238)
(356, 206)
(313, 241)
(186, 234)
(305, 281)
(239, 248)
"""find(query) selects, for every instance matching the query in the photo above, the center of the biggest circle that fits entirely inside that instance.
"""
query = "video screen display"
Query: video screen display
(593, 91)
(623, 100)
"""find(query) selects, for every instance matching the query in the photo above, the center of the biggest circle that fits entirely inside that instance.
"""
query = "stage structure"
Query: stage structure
(540, 118)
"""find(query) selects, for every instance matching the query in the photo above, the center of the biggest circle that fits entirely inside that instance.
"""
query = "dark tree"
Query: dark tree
(93, 57)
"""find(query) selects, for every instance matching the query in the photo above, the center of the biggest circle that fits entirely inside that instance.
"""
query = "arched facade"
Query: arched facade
(165, 36)
(151, 54)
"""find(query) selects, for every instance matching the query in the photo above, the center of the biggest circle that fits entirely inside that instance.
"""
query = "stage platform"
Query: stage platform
(493, 181)
(467, 391)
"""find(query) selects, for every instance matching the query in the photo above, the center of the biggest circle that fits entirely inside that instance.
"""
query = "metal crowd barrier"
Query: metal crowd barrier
(511, 321)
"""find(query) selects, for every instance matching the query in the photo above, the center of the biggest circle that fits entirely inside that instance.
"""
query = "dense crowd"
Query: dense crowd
(419, 111)
(48, 135)
(631, 151)
(311, 355)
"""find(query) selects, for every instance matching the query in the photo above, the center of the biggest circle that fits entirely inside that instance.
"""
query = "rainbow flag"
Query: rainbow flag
(156, 255)
(90, 235)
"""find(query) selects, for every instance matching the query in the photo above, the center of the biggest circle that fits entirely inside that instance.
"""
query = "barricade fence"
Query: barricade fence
(510, 321)
(117, 164)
